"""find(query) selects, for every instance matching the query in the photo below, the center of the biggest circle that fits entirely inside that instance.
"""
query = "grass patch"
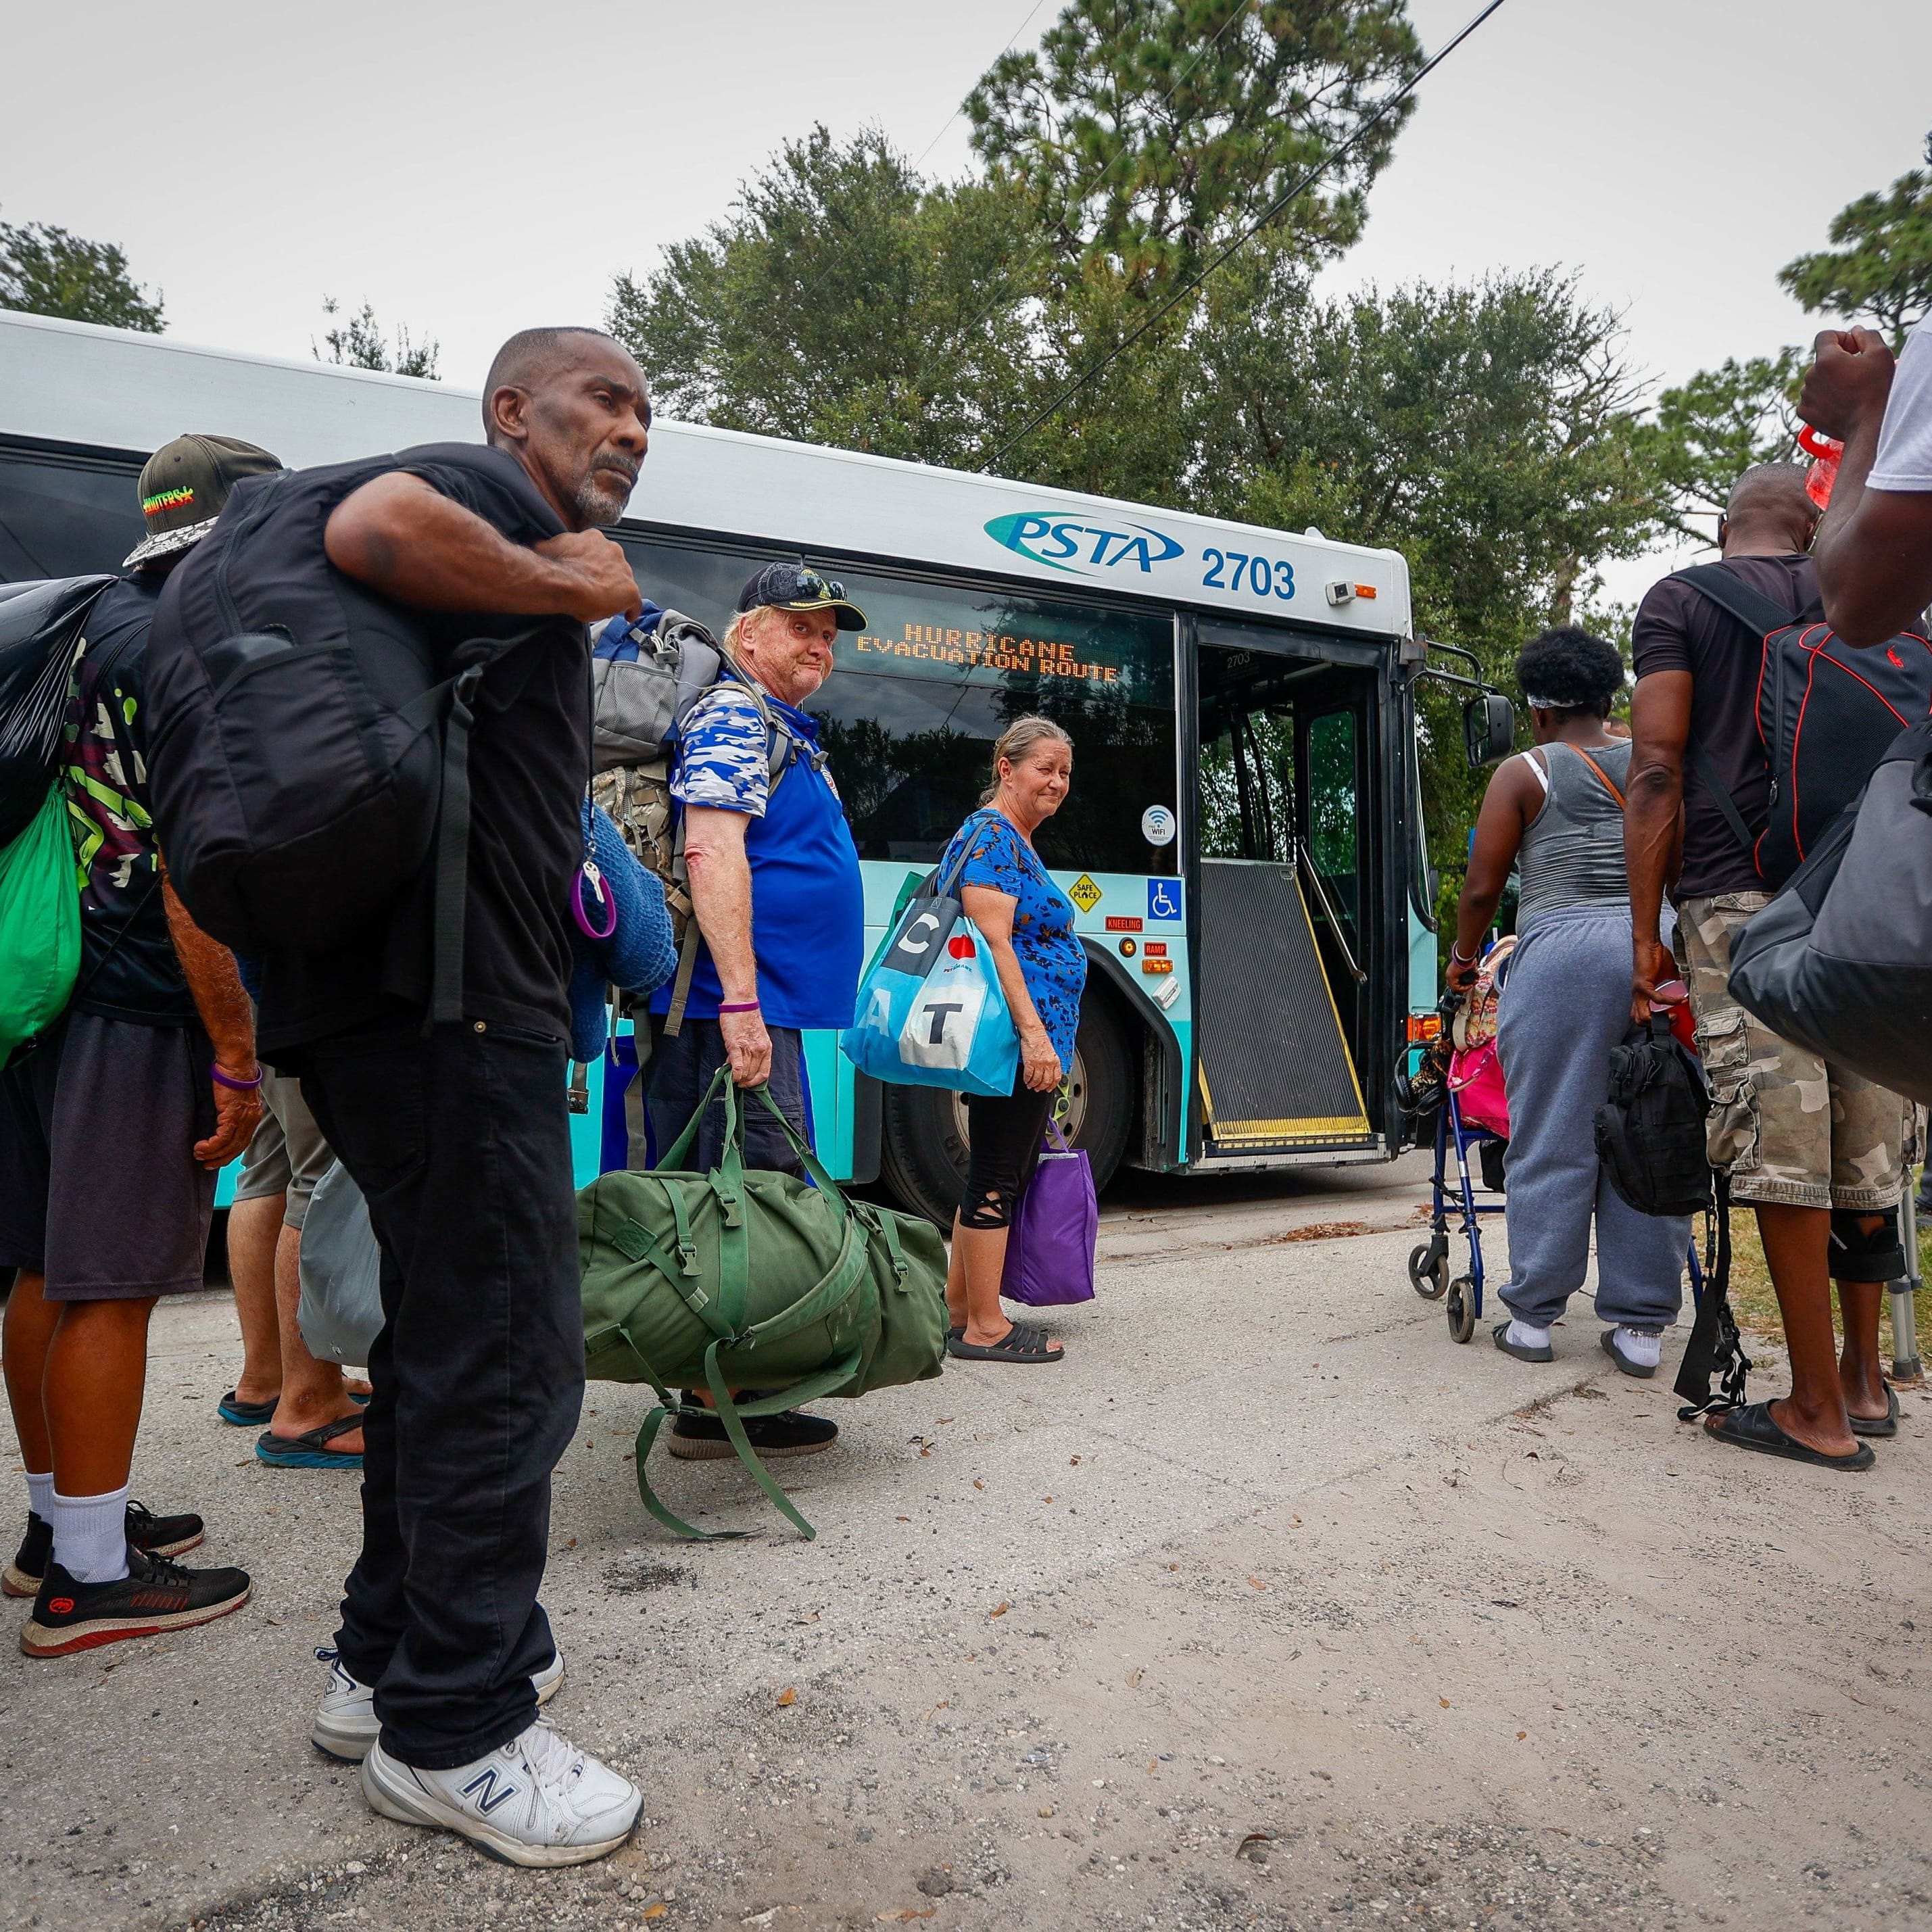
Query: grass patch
(1756, 1305)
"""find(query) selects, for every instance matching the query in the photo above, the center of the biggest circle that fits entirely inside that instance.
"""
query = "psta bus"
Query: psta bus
(1243, 839)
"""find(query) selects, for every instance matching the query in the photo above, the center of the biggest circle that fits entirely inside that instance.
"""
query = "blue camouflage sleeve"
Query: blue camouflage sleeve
(722, 747)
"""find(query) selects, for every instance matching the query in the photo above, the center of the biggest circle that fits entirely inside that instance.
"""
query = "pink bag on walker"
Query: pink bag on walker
(1475, 1073)
(1476, 1079)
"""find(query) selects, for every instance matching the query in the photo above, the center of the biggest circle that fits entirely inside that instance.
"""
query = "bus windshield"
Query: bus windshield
(911, 711)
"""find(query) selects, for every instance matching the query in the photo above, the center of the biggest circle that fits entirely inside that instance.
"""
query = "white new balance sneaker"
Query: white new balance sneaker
(345, 1724)
(538, 1801)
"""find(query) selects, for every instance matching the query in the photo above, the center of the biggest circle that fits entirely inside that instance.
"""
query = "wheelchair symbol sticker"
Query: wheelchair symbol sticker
(1163, 898)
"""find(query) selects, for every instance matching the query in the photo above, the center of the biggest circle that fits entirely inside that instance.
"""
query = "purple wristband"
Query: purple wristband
(747, 1006)
(222, 1079)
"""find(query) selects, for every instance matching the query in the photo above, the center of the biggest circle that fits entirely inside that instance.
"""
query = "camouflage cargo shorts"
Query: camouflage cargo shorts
(1789, 1129)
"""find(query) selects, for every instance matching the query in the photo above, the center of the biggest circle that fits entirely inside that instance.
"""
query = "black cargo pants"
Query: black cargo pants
(460, 1143)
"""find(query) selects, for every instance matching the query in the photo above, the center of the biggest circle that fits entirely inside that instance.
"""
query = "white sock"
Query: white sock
(40, 1494)
(1645, 1351)
(1522, 1336)
(91, 1536)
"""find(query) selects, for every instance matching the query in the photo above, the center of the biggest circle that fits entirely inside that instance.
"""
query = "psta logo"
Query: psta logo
(1061, 543)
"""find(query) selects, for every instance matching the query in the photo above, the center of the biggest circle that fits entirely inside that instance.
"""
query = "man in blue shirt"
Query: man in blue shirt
(775, 886)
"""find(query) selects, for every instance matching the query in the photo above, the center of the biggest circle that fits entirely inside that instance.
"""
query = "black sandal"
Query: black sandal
(1752, 1427)
(1886, 1424)
(1022, 1343)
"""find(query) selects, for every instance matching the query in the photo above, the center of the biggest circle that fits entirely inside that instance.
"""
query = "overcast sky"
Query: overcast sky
(471, 168)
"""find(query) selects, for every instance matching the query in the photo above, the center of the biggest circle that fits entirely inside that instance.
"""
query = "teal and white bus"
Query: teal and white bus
(1243, 839)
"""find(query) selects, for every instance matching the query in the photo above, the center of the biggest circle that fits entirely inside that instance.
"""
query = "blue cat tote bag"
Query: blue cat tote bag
(930, 1011)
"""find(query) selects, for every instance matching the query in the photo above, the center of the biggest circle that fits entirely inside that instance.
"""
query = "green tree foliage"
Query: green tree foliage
(48, 271)
(1880, 263)
(360, 344)
(1147, 132)
(1487, 432)
(1706, 432)
(843, 302)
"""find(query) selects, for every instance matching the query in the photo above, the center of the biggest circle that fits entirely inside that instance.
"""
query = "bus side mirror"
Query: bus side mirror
(1489, 729)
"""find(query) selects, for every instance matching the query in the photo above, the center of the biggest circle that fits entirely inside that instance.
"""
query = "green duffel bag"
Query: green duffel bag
(745, 1278)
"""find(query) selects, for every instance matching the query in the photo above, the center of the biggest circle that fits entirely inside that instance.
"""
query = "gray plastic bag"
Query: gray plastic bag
(341, 1310)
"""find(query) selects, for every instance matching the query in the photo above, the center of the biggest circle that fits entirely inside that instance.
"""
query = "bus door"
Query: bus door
(1281, 826)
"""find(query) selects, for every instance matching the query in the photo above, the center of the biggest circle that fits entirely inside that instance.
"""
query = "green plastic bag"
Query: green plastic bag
(745, 1278)
(40, 927)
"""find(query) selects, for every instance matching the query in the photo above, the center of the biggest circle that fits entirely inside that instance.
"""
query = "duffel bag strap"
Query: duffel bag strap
(729, 1413)
(1715, 1347)
(672, 1159)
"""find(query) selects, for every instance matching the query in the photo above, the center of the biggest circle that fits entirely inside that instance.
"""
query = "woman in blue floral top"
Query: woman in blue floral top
(1027, 923)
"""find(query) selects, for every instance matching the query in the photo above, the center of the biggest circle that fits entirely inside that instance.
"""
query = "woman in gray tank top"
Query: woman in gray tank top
(1556, 813)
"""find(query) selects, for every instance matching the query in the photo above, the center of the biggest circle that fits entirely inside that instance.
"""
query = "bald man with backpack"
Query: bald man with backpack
(1739, 692)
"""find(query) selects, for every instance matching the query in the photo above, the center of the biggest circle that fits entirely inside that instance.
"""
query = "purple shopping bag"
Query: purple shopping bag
(1050, 1249)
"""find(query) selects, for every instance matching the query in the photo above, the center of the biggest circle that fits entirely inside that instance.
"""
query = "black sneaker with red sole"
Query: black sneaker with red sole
(154, 1535)
(155, 1596)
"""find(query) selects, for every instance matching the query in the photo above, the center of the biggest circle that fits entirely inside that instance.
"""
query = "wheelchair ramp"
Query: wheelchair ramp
(1275, 1072)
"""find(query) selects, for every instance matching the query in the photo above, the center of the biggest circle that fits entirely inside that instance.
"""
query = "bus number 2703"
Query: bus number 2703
(1265, 579)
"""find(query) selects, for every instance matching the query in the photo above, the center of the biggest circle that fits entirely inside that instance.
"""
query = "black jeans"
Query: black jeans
(460, 1143)
(681, 1068)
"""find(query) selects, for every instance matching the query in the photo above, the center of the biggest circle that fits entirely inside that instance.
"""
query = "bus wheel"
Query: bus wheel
(922, 1153)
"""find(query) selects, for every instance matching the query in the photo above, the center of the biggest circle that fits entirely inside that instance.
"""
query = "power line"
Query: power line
(1037, 4)
(1246, 234)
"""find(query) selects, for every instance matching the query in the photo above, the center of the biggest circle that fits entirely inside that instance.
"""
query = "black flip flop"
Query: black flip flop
(1886, 1424)
(1022, 1343)
(1752, 1427)
(311, 1450)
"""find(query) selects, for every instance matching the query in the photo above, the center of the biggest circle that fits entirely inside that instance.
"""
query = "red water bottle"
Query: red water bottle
(1825, 451)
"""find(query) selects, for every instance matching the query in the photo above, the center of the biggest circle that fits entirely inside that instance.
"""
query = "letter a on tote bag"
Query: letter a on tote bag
(930, 1011)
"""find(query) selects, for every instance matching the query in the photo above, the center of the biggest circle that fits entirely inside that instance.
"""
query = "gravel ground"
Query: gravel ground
(1270, 1609)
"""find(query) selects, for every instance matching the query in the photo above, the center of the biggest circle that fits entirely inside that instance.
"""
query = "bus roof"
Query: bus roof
(108, 388)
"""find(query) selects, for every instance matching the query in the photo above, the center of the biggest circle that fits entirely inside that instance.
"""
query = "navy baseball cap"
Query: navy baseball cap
(794, 587)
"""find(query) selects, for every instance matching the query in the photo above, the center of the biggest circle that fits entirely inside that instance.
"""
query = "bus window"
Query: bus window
(1334, 826)
(1247, 762)
(65, 517)
(910, 712)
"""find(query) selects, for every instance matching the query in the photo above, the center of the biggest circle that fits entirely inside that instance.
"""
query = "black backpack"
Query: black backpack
(307, 750)
(1650, 1131)
(1826, 713)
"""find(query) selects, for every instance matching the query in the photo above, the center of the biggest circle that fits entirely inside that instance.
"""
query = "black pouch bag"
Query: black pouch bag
(1650, 1131)
(1841, 961)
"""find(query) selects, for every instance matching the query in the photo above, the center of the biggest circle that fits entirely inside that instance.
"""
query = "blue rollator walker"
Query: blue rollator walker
(1429, 1273)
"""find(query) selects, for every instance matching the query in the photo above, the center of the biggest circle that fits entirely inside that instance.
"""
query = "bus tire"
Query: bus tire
(922, 1145)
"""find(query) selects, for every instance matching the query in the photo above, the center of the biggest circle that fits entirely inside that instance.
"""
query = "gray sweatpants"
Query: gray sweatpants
(1565, 1004)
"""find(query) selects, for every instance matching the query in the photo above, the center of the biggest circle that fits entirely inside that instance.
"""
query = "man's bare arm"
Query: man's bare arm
(228, 1018)
(721, 899)
(1653, 815)
(409, 542)
(1874, 546)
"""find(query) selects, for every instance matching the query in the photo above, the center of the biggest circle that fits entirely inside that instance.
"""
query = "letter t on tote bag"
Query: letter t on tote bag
(930, 1011)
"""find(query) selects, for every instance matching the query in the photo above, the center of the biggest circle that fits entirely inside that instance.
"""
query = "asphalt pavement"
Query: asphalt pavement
(1270, 1606)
